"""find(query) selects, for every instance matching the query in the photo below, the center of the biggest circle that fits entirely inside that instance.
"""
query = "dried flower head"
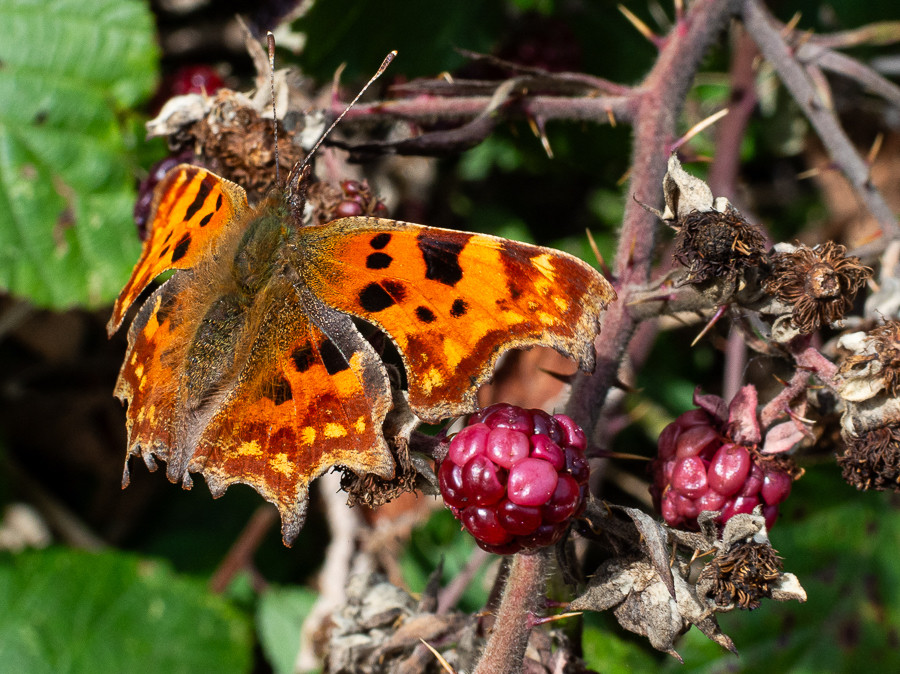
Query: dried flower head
(236, 142)
(820, 283)
(743, 575)
(872, 460)
(717, 244)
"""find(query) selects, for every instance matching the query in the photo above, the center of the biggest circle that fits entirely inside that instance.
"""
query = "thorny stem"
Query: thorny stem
(809, 361)
(662, 96)
(797, 82)
(430, 109)
(522, 596)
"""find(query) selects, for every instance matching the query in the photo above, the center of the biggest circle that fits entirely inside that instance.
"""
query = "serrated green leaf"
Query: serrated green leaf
(67, 611)
(68, 72)
(279, 618)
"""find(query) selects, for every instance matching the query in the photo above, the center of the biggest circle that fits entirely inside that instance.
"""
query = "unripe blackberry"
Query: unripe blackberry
(515, 477)
(700, 468)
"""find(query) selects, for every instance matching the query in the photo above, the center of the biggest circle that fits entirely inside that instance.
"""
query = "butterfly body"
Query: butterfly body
(246, 365)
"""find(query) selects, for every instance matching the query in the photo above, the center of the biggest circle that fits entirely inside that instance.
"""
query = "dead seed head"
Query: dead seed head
(820, 283)
(714, 244)
(872, 460)
(743, 576)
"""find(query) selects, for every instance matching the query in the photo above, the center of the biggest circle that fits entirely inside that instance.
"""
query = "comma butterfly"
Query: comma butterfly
(247, 367)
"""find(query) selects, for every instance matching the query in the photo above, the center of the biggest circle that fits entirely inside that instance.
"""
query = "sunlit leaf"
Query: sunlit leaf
(68, 72)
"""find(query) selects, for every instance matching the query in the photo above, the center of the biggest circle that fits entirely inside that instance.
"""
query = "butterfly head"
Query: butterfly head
(297, 187)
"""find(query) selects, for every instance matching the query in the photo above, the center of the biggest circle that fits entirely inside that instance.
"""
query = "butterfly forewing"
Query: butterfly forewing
(453, 302)
(190, 207)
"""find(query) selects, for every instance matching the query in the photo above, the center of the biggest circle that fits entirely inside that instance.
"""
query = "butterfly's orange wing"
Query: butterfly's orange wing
(256, 394)
(303, 403)
(453, 302)
(190, 206)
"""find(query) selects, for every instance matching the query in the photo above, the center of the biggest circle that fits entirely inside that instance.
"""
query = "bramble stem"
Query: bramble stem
(522, 597)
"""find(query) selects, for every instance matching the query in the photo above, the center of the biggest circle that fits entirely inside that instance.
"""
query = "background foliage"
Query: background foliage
(75, 84)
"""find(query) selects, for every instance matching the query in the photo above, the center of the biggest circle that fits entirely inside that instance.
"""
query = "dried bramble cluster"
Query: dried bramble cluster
(235, 141)
(743, 575)
(872, 460)
(713, 244)
(820, 283)
(515, 478)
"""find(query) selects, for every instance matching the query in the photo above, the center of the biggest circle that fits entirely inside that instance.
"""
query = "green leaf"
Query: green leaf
(279, 618)
(606, 651)
(67, 611)
(68, 72)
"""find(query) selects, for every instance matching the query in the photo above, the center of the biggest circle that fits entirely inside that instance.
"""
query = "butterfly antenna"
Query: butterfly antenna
(381, 69)
(270, 40)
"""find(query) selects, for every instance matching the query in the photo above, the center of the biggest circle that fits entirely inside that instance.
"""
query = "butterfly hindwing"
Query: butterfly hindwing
(190, 207)
(150, 378)
(453, 302)
(309, 393)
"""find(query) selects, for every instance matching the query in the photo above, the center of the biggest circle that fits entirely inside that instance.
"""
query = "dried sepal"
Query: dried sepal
(713, 239)
(818, 283)
(872, 364)
(685, 194)
(642, 604)
(872, 460)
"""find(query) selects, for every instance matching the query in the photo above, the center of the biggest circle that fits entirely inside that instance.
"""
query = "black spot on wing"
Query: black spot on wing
(203, 191)
(181, 248)
(379, 241)
(206, 218)
(333, 359)
(425, 314)
(219, 202)
(374, 298)
(379, 296)
(459, 308)
(303, 358)
(379, 261)
(441, 256)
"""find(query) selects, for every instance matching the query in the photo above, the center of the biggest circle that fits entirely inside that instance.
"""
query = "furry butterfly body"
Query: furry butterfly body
(247, 366)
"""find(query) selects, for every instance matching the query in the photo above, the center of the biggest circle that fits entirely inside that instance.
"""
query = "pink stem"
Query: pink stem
(522, 597)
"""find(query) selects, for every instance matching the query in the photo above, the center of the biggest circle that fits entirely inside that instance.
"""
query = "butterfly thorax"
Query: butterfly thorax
(262, 248)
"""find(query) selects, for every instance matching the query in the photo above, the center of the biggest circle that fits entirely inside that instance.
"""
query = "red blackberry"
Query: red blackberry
(515, 477)
(700, 467)
(195, 79)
